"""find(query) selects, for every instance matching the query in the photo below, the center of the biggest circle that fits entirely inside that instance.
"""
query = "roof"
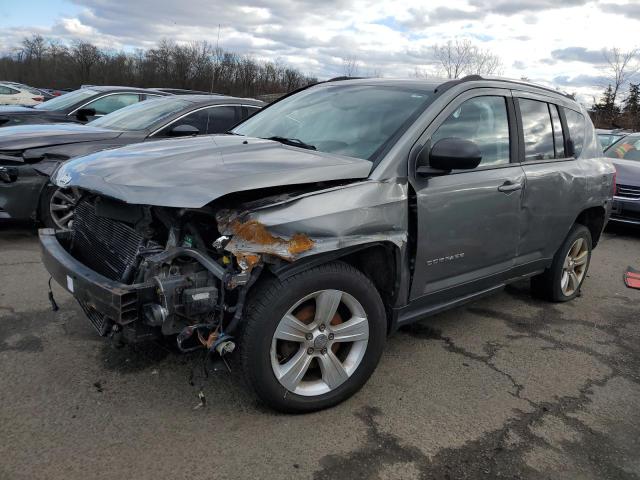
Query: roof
(217, 99)
(110, 88)
(440, 84)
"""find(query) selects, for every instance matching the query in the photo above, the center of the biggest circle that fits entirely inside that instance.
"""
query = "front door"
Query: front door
(468, 220)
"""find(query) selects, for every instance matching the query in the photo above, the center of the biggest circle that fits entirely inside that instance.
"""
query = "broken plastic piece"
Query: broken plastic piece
(632, 278)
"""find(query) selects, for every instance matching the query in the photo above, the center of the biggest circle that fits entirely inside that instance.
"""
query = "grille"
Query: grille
(106, 246)
(628, 191)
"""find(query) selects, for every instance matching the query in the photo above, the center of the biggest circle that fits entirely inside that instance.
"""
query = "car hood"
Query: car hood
(627, 172)
(191, 172)
(22, 137)
(16, 109)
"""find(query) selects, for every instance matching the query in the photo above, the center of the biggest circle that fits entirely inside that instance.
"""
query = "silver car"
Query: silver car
(625, 155)
(329, 219)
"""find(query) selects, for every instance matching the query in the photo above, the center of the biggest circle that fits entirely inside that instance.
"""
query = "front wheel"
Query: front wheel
(312, 340)
(562, 281)
(57, 206)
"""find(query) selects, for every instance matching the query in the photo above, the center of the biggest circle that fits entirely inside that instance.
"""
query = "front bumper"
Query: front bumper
(119, 303)
(625, 210)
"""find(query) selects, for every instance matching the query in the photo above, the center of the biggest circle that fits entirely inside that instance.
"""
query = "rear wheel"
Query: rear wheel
(57, 207)
(313, 340)
(562, 281)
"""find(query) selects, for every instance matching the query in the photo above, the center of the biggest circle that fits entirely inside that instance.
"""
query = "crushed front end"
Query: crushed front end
(142, 272)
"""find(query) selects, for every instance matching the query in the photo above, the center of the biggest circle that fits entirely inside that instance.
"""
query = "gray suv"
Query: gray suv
(301, 239)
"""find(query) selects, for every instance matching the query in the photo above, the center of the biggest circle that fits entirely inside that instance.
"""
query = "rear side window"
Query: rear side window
(484, 121)
(221, 119)
(575, 123)
(537, 129)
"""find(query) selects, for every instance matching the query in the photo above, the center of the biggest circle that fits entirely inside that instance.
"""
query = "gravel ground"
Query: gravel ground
(507, 387)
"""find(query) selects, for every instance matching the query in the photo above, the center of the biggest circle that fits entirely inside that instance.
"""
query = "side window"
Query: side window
(198, 119)
(558, 136)
(7, 91)
(111, 103)
(221, 119)
(484, 121)
(575, 123)
(538, 133)
(248, 111)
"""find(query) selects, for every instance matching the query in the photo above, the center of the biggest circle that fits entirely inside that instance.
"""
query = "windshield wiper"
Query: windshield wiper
(294, 142)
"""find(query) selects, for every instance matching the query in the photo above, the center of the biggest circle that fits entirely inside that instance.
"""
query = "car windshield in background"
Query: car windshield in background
(142, 115)
(352, 120)
(67, 100)
(607, 140)
(627, 148)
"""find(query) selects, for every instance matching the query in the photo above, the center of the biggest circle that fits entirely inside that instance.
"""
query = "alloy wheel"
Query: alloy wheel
(62, 205)
(574, 267)
(319, 343)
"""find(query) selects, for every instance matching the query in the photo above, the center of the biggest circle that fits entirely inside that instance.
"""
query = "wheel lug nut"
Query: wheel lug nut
(309, 336)
(331, 336)
(310, 351)
(323, 351)
(322, 327)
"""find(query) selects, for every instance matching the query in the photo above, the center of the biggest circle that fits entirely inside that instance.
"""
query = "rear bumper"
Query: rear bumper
(119, 302)
(625, 210)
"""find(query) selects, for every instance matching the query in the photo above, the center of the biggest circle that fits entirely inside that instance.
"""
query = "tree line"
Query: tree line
(619, 106)
(48, 63)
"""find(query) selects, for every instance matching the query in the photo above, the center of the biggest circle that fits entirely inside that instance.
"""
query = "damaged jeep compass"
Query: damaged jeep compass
(299, 240)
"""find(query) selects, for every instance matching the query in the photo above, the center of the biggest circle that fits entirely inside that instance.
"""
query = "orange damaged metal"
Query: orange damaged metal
(255, 232)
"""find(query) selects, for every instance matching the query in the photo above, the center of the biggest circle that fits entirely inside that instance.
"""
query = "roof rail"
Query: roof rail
(470, 78)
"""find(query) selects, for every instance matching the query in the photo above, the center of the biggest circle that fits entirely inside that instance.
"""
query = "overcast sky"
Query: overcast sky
(556, 42)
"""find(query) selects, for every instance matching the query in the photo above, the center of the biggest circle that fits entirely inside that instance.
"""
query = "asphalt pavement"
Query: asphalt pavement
(506, 387)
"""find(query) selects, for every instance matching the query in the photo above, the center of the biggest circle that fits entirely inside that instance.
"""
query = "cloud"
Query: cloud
(579, 54)
(629, 10)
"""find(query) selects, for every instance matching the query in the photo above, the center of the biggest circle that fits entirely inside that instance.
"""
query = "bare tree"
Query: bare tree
(621, 66)
(464, 58)
(350, 66)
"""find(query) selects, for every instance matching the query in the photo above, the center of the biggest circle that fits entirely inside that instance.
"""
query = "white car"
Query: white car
(13, 94)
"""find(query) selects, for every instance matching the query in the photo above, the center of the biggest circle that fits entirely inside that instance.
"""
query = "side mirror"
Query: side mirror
(448, 154)
(84, 113)
(184, 130)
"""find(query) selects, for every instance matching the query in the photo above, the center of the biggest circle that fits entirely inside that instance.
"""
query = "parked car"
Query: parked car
(625, 155)
(329, 219)
(80, 106)
(30, 153)
(15, 94)
(609, 137)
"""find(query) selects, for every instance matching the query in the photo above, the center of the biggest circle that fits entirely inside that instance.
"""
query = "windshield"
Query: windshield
(67, 100)
(627, 148)
(607, 139)
(353, 120)
(142, 115)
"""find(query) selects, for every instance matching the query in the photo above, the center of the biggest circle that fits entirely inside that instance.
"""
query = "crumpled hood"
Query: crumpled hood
(627, 172)
(22, 137)
(191, 172)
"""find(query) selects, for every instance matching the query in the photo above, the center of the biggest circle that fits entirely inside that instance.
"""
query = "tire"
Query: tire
(49, 194)
(551, 284)
(262, 356)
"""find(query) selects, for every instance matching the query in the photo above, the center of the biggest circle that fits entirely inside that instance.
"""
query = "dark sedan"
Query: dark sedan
(30, 153)
(80, 106)
(625, 155)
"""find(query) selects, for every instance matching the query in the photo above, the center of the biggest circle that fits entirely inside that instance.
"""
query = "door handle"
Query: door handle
(507, 187)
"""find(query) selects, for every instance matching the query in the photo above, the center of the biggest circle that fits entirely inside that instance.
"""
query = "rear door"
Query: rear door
(468, 220)
(555, 187)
